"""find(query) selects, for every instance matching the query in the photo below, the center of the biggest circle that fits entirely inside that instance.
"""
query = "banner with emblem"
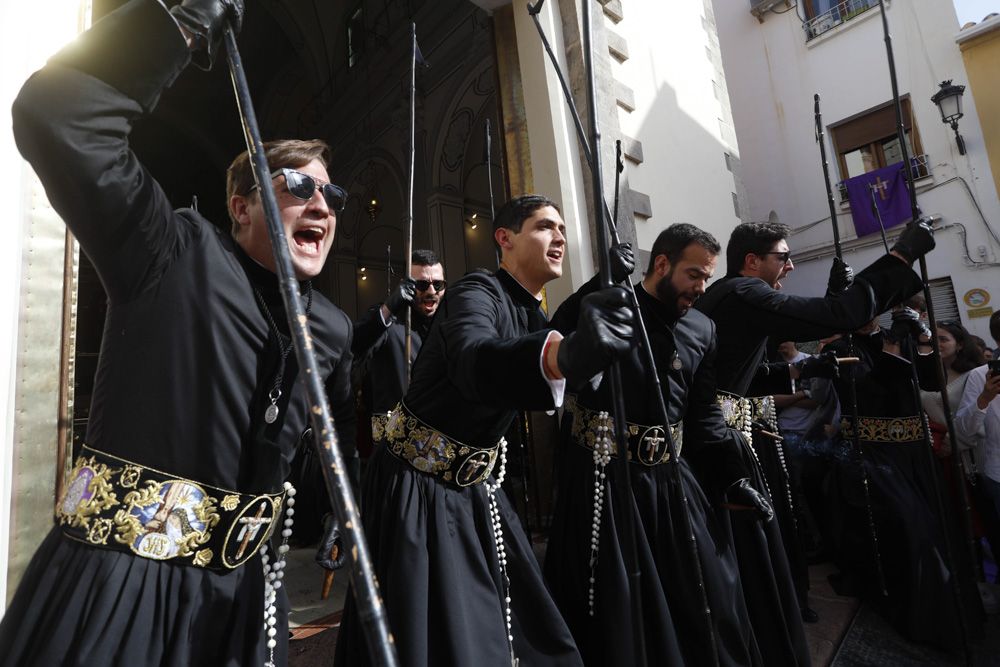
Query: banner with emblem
(883, 188)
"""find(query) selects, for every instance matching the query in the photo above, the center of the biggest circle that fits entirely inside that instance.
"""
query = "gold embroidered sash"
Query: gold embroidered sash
(113, 503)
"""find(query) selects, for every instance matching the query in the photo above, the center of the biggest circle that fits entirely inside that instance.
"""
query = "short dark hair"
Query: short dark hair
(424, 258)
(752, 237)
(969, 355)
(513, 214)
(995, 326)
(290, 153)
(673, 240)
(917, 303)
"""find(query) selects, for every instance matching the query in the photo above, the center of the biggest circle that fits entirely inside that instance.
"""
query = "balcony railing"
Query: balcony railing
(838, 14)
(921, 166)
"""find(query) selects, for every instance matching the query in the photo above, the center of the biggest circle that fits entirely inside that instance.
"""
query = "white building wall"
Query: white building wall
(31, 263)
(773, 73)
(681, 117)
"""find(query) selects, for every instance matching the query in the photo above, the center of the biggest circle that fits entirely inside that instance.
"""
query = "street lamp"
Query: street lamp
(949, 103)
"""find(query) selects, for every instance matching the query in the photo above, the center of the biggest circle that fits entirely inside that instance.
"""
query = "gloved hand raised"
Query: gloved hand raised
(916, 240)
(841, 277)
(331, 538)
(906, 322)
(742, 497)
(622, 261)
(823, 365)
(603, 333)
(401, 297)
(205, 21)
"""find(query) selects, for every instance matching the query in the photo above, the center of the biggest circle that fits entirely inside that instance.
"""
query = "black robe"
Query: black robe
(380, 353)
(432, 543)
(901, 476)
(675, 625)
(186, 364)
(746, 312)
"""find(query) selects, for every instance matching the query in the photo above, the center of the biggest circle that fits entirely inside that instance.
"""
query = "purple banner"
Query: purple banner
(884, 188)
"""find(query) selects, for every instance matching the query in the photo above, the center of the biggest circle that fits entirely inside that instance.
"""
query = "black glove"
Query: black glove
(916, 240)
(622, 261)
(603, 332)
(402, 297)
(841, 277)
(823, 365)
(906, 322)
(205, 20)
(331, 539)
(742, 497)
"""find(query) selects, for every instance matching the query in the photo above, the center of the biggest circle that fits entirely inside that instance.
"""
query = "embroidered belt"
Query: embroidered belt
(738, 412)
(884, 429)
(379, 422)
(646, 444)
(431, 451)
(764, 411)
(117, 504)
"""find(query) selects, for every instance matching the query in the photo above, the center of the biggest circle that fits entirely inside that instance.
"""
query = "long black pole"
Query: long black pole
(650, 360)
(623, 487)
(939, 366)
(338, 485)
(619, 168)
(581, 134)
(408, 248)
(525, 433)
(488, 160)
(852, 383)
(821, 140)
(878, 216)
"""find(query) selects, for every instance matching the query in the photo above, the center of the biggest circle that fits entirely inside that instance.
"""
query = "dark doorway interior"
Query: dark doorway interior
(338, 71)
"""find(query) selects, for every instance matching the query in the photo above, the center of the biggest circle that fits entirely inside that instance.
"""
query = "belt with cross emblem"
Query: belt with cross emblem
(431, 451)
(113, 503)
(646, 444)
(884, 429)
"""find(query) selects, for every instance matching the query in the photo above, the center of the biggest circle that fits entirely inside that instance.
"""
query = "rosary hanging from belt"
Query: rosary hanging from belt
(284, 347)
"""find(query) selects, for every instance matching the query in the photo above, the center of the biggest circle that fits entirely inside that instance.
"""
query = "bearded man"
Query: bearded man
(588, 579)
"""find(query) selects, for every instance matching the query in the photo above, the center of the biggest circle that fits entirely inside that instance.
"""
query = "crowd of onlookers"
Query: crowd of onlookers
(810, 422)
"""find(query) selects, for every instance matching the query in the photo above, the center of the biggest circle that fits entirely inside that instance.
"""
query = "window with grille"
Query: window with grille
(869, 141)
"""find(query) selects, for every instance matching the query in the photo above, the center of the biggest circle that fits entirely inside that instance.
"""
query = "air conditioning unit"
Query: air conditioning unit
(760, 7)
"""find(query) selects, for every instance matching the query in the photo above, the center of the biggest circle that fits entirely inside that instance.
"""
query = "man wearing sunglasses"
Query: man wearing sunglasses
(156, 553)
(456, 570)
(379, 345)
(748, 306)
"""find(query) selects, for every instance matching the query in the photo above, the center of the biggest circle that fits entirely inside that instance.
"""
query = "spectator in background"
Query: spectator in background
(978, 416)
(808, 420)
(959, 355)
(995, 333)
(986, 350)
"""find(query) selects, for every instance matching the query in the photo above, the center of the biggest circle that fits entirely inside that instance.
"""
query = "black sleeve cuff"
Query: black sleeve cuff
(138, 49)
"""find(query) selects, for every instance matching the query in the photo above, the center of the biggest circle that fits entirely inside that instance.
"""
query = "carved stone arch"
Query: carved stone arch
(357, 228)
(476, 89)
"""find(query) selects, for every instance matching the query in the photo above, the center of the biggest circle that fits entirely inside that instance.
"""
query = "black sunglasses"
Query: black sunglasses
(302, 186)
(424, 285)
(783, 256)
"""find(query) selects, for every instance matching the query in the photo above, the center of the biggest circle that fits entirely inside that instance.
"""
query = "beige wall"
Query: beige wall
(982, 63)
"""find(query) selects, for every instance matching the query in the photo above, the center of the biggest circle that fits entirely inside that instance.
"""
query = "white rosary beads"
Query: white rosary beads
(274, 573)
(491, 490)
(602, 455)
